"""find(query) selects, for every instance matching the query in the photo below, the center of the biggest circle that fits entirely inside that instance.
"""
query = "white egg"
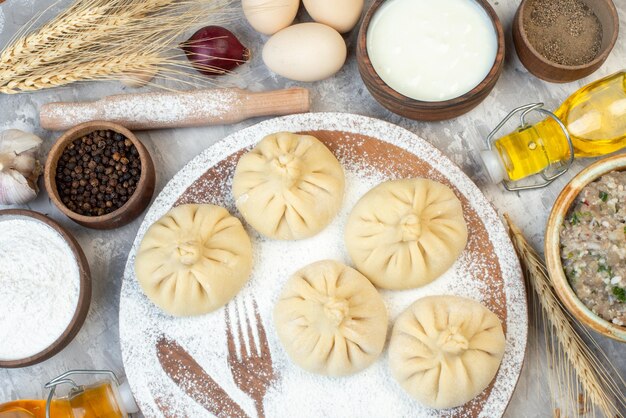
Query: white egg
(341, 15)
(305, 52)
(270, 16)
(139, 79)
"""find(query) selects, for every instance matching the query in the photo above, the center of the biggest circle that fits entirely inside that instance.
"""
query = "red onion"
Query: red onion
(214, 50)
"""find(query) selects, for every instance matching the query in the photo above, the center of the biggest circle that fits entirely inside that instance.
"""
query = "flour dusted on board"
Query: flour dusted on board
(39, 287)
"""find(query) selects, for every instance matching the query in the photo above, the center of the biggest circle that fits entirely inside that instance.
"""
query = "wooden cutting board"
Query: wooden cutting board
(179, 367)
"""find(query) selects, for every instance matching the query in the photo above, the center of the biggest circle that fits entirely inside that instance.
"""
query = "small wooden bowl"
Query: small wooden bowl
(417, 109)
(132, 208)
(553, 246)
(84, 296)
(547, 70)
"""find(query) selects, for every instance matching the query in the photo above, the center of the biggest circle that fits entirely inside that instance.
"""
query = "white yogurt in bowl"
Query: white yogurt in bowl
(432, 50)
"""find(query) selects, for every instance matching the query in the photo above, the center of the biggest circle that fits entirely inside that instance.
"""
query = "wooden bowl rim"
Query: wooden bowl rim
(492, 75)
(553, 246)
(80, 130)
(84, 295)
(600, 58)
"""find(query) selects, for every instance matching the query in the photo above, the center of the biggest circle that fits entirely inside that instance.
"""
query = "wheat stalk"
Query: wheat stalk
(71, 20)
(580, 375)
(106, 39)
(95, 70)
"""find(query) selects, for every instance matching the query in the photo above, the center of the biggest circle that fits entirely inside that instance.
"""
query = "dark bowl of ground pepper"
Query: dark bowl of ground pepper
(100, 175)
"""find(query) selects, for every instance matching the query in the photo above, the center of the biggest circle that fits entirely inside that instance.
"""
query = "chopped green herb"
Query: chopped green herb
(604, 196)
(606, 269)
(619, 293)
(625, 230)
(575, 218)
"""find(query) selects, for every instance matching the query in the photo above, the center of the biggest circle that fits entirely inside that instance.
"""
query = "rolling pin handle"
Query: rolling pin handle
(277, 103)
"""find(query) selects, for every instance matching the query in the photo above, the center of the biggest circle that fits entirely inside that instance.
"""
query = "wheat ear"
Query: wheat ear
(97, 70)
(90, 40)
(565, 347)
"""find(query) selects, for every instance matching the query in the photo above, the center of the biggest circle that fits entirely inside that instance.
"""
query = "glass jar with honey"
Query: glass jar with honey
(105, 397)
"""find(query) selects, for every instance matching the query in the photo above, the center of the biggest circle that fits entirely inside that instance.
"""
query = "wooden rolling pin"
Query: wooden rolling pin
(176, 109)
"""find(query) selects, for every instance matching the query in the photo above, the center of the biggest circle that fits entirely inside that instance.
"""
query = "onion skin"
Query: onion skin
(214, 50)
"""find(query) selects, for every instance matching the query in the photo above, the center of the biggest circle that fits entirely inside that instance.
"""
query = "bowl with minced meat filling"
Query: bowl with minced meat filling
(585, 246)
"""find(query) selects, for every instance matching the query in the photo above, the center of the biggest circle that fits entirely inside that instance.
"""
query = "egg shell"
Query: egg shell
(340, 15)
(270, 16)
(139, 79)
(305, 52)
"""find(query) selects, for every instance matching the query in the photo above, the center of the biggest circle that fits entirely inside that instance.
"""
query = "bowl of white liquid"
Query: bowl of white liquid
(430, 60)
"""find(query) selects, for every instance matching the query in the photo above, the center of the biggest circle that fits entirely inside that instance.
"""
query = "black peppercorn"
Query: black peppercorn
(97, 173)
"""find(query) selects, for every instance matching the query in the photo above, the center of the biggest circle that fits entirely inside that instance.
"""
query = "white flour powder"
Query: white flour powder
(39, 287)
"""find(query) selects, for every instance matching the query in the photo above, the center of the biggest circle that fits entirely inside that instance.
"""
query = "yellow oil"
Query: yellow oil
(97, 401)
(595, 117)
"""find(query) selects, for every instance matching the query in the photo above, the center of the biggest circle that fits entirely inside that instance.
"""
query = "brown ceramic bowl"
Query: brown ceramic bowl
(553, 246)
(417, 109)
(135, 205)
(557, 73)
(84, 296)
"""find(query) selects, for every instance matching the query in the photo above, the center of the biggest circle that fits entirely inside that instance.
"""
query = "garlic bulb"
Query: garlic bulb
(19, 167)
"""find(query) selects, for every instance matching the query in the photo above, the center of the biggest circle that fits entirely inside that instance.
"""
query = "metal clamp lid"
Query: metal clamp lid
(547, 177)
(64, 379)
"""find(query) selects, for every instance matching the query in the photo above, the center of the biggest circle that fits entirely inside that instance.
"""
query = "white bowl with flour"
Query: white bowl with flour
(45, 289)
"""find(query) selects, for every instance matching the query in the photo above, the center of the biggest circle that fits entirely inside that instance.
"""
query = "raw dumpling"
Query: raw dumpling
(445, 350)
(289, 186)
(194, 259)
(405, 233)
(331, 319)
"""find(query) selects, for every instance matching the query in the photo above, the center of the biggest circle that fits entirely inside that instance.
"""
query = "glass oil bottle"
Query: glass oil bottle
(590, 123)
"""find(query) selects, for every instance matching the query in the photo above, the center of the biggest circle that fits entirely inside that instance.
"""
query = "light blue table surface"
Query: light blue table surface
(97, 344)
